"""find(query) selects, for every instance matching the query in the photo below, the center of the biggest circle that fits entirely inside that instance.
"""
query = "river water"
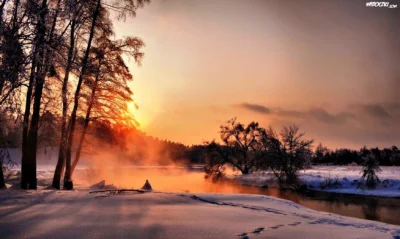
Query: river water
(365, 207)
(177, 180)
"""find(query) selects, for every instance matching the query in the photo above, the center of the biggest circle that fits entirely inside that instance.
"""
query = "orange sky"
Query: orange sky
(332, 67)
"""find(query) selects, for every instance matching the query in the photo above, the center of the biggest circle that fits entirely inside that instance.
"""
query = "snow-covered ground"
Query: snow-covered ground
(80, 214)
(76, 214)
(340, 179)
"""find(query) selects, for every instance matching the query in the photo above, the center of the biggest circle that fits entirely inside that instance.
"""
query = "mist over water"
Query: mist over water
(166, 179)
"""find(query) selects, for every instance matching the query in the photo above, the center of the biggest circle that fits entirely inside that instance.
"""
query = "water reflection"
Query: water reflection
(371, 208)
(371, 211)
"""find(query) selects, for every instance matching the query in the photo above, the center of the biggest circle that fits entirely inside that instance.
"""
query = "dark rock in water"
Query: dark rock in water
(265, 186)
(147, 186)
(68, 185)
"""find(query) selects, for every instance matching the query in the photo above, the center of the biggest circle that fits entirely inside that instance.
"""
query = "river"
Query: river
(177, 180)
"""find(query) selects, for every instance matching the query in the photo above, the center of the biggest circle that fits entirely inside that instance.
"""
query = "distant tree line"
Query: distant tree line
(385, 156)
(133, 144)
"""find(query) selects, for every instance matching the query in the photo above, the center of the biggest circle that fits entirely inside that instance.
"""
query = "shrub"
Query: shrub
(369, 170)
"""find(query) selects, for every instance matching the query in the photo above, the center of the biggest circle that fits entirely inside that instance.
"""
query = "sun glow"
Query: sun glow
(137, 115)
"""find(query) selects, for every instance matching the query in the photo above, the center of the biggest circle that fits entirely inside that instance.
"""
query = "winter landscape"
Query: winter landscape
(199, 119)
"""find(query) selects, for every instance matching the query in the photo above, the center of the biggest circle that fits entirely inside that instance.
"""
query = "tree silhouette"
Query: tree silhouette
(109, 92)
(286, 153)
(369, 170)
(238, 148)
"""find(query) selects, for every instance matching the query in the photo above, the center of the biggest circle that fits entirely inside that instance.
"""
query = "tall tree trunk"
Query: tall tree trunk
(71, 126)
(28, 170)
(81, 140)
(245, 170)
(64, 137)
(25, 125)
(3, 78)
(87, 119)
(40, 67)
(2, 148)
(2, 5)
(2, 182)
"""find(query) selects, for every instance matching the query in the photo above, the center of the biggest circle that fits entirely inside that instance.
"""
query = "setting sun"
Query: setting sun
(137, 114)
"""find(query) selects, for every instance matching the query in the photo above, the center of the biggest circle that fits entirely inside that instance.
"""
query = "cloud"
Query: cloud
(377, 111)
(318, 114)
(290, 113)
(326, 117)
(355, 125)
(255, 108)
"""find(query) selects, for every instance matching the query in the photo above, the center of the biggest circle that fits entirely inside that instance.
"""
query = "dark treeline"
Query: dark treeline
(385, 156)
(60, 57)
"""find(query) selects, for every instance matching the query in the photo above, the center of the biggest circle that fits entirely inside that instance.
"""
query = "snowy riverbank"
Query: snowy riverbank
(77, 214)
(339, 179)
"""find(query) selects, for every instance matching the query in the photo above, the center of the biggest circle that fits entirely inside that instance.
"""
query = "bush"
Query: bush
(369, 170)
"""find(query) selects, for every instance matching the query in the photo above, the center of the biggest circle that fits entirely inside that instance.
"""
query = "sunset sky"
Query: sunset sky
(331, 67)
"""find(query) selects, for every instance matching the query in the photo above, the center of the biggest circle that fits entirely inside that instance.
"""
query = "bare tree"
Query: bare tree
(44, 17)
(238, 148)
(285, 154)
(100, 16)
(77, 12)
(71, 125)
(29, 148)
(109, 92)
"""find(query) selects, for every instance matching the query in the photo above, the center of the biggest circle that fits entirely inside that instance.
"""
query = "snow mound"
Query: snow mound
(102, 185)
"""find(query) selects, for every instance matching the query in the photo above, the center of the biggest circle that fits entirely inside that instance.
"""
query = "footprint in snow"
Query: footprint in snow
(258, 230)
(243, 236)
(277, 226)
(294, 224)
